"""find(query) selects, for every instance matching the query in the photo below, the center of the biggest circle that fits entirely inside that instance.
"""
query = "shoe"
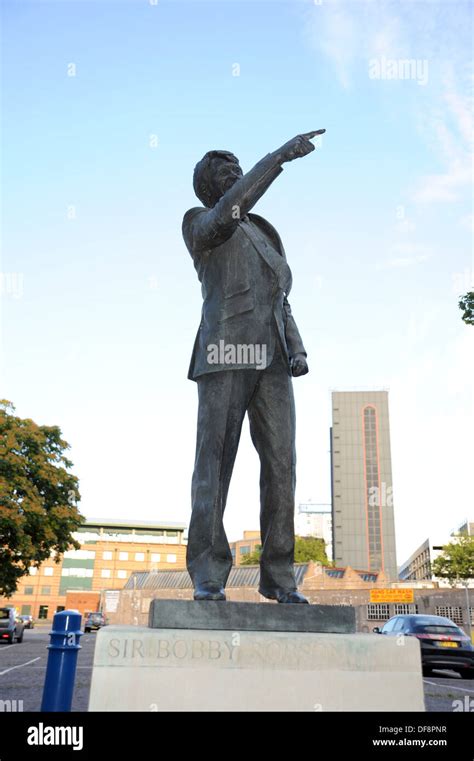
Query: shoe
(209, 591)
(292, 596)
(284, 596)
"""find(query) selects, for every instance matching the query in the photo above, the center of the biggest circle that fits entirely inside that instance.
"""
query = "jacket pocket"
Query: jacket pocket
(236, 274)
(237, 304)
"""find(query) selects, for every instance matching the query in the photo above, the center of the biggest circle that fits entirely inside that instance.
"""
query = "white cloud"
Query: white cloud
(406, 226)
(448, 127)
(351, 33)
(406, 255)
(338, 40)
(443, 187)
(468, 222)
(347, 32)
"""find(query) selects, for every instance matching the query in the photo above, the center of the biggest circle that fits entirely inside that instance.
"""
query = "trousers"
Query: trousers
(224, 399)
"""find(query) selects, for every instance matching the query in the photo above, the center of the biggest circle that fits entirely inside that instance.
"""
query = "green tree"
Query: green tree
(38, 497)
(456, 563)
(466, 305)
(253, 558)
(310, 548)
(306, 548)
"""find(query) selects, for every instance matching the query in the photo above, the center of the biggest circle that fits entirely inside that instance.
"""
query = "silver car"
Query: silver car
(11, 626)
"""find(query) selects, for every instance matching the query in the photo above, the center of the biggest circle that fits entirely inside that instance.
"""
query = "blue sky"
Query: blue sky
(100, 300)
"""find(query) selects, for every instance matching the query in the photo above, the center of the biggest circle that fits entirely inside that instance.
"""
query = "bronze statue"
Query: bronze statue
(246, 350)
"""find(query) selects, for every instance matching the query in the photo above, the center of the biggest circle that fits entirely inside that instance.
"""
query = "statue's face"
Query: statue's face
(225, 173)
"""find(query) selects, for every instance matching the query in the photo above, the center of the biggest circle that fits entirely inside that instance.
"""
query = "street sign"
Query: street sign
(111, 600)
(392, 595)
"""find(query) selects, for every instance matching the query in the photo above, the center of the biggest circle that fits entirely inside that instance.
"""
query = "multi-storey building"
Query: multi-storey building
(315, 520)
(247, 546)
(361, 480)
(110, 552)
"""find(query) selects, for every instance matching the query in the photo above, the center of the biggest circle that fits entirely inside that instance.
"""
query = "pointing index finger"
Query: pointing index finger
(309, 135)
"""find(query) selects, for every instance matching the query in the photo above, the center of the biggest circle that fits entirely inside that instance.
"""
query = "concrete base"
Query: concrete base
(142, 669)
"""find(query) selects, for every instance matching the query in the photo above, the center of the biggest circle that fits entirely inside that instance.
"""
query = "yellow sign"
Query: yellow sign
(392, 595)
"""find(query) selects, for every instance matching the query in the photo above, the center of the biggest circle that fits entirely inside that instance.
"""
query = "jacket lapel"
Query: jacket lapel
(246, 228)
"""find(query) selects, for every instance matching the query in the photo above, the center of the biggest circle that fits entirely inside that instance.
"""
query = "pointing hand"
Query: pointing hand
(299, 146)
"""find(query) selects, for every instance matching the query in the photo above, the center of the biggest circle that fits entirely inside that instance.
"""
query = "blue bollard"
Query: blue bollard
(62, 660)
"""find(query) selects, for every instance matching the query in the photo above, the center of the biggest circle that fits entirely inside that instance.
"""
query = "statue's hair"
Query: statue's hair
(202, 178)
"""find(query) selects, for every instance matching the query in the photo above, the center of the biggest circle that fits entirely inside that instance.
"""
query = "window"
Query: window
(139, 556)
(399, 624)
(378, 611)
(403, 609)
(155, 557)
(80, 573)
(123, 555)
(80, 554)
(43, 611)
(390, 625)
(171, 558)
(45, 590)
(368, 576)
(245, 550)
(335, 573)
(48, 571)
(372, 488)
(105, 573)
(28, 590)
(26, 610)
(33, 571)
(60, 608)
(107, 555)
(424, 626)
(121, 574)
(452, 612)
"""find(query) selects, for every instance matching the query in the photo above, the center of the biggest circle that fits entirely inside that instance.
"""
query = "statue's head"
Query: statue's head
(214, 174)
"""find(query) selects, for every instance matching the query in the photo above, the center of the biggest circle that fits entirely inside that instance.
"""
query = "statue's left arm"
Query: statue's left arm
(296, 350)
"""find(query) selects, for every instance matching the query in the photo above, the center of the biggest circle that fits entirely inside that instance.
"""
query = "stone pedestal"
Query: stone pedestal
(250, 616)
(227, 667)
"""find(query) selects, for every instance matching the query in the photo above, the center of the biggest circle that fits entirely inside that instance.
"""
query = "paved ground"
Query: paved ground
(22, 671)
(23, 667)
(446, 691)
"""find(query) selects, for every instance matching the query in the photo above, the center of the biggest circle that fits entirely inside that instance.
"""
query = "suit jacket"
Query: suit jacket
(244, 275)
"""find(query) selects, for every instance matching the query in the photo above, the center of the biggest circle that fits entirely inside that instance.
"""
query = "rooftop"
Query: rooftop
(120, 523)
(240, 576)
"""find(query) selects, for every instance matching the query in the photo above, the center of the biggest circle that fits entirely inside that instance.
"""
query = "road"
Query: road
(23, 666)
(446, 691)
